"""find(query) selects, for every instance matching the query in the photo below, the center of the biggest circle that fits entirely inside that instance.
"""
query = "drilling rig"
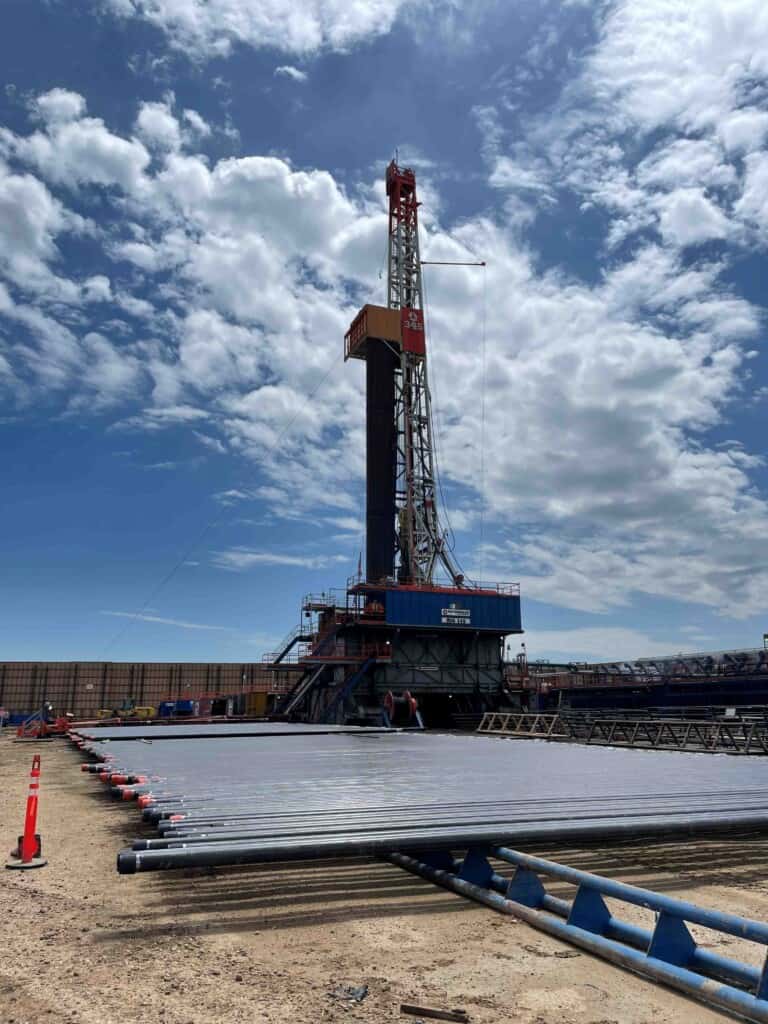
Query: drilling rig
(410, 640)
(399, 432)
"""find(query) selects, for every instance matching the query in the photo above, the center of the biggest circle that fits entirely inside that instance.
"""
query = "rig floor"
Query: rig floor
(273, 944)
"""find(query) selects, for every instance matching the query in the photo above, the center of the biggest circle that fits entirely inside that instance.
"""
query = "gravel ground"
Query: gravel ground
(83, 944)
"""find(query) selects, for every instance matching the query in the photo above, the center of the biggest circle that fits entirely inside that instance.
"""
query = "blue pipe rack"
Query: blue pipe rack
(667, 954)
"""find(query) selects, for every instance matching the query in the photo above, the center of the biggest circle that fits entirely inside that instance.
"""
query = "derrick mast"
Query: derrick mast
(421, 542)
(404, 538)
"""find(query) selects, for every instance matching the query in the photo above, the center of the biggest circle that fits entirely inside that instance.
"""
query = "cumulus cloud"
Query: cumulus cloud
(157, 127)
(669, 100)
(753, 203)
(599, 480)
(60, 105)
(214, 353)
(30, 220)
(688, 218)
(108, 372)
(288, 71)
(56, 357)
(638, 59)
(593, 400)
(209, 28)
(75, 150)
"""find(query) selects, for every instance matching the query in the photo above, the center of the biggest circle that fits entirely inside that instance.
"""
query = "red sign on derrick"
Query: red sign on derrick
(412, 330)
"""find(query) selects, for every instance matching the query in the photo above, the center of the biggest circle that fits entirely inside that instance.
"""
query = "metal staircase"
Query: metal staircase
(301, 690)
(346, 687)
(296, 635)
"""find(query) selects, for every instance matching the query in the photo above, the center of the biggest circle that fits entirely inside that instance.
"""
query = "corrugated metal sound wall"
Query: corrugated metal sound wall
(83, 687)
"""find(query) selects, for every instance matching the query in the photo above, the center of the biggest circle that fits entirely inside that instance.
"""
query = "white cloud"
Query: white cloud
(607, 643)
(98, 373)
(686, 163)
(233, 495)
(197, 123)
(143, 255)
(753, 204)
(60, 105)
(744, 130)
(30, 220)
(288, 71)
(77, 151)
(348, 524)
(688, 218)
(5, 369)
(161, 621)
(97, 289)
(107, 373)
(214, 353)
(212, 443)
(157, 127)
(209, 28)
(690, 75)
(159, 417)
(681, 62)
(239, 559)
(593, 403)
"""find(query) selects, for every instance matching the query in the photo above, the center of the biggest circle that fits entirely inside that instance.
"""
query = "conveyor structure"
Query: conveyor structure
(735, 679)
(723, 736)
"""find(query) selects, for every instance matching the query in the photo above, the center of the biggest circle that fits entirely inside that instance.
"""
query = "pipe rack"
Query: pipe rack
(415, 799)
(247, 799)
(667, 953)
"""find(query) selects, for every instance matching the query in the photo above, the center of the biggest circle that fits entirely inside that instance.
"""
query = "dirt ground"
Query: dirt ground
(82, 944)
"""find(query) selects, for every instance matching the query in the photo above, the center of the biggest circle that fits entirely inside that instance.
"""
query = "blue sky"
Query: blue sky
(191, 210)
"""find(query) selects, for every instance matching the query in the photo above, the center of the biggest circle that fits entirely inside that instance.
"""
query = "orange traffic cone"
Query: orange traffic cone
(28, 854)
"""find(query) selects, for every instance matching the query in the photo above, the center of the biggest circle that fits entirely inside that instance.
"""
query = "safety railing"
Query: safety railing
(729, 736)
(357, 331)
(390, 582)
(724, 665)
(283, 653)
(344, 652)
(524, 724)
(292, 657)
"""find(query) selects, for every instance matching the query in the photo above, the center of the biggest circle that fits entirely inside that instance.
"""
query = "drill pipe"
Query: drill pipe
(373, 844)
(360, 823)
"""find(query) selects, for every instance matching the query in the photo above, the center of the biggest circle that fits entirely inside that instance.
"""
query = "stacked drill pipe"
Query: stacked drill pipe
(277, 796)
(211, 730)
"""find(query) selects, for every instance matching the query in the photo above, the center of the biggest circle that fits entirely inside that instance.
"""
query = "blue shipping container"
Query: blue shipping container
(499, 613)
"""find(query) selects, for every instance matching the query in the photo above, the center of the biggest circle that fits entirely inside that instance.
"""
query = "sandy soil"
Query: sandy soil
(83, 944)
